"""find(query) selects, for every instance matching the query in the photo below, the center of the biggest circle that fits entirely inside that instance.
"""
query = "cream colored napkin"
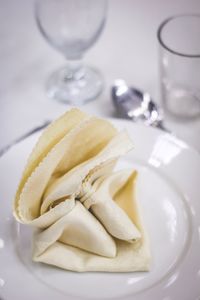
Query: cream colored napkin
(85, 214)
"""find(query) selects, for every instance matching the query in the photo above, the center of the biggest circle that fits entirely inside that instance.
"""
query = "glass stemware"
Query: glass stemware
(71, 27)
(179, 59)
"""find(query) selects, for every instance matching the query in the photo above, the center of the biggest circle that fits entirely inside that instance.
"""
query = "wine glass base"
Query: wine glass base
(85, 85)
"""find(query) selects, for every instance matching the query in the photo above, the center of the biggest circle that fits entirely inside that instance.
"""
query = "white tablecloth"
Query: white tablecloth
(127, 49)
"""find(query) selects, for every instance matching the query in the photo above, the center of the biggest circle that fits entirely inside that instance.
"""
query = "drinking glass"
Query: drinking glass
(71, 27)
(179, 40)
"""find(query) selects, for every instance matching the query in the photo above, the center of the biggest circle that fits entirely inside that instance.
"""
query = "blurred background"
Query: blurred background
(127, 49)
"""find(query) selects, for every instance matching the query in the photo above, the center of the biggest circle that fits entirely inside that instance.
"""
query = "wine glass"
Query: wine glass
(71, 27)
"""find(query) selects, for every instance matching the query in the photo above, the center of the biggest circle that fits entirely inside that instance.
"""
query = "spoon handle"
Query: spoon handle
(161, 126)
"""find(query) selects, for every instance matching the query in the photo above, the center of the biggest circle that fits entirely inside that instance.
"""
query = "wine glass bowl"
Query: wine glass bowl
(71, 27)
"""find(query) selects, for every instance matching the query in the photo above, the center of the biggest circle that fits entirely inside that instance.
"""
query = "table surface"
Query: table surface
(127, 49)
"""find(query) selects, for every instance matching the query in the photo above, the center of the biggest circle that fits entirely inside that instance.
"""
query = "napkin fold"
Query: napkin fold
(85, 215)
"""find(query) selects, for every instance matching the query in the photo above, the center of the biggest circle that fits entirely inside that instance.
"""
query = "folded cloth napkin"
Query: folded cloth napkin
(85, 215)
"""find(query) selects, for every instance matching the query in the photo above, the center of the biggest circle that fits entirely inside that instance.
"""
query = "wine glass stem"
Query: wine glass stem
(74, 69)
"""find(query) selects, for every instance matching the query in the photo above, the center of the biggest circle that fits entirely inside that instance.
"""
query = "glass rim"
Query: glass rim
(165, 22)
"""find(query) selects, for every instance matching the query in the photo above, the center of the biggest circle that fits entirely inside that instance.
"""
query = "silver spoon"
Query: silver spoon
(136, 105)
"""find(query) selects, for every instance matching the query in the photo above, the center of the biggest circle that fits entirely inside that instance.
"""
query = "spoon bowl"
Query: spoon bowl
(136, 105)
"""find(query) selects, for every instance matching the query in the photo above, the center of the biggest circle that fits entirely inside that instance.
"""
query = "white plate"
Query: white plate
(168, 189)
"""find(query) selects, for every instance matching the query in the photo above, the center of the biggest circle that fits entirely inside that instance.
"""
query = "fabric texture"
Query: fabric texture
(85, 215)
